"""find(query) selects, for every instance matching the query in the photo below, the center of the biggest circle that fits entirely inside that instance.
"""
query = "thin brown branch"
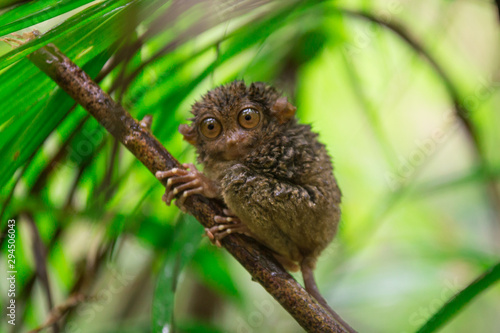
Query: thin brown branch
(105, 186)
(26, 290)
(256, 259)
(462, 112)
(79, 291)
(81, 287)
(39, 252)
(59, 311)
(57, 158)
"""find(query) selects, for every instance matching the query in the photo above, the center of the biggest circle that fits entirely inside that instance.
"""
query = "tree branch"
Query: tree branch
(59, 311)
(256, 259)
(40, 254)
(462, 112)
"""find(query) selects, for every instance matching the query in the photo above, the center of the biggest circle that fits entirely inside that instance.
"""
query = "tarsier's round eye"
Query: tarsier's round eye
(249, 118)
(211, 128)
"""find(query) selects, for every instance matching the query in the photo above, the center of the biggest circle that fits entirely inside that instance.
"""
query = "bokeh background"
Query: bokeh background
(382, 82)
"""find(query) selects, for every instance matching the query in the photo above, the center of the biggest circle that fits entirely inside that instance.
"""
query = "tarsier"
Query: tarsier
(275, 178)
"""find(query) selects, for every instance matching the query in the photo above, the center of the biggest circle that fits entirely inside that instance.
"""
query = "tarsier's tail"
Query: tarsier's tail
(312, 289)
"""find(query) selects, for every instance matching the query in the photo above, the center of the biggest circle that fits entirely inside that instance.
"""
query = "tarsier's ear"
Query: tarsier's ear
(189, 133)
(283, 110)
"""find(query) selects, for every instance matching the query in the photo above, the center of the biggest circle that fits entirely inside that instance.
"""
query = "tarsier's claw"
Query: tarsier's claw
(190, 166)
(170, 173)
(165, 200)
(209, 234)
(223, 219)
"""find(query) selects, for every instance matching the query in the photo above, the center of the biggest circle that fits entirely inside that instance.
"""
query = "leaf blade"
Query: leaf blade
(188, 234)
(459, 301)
(35, 12)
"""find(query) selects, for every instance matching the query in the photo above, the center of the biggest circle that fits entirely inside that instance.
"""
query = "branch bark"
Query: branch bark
(256, 259)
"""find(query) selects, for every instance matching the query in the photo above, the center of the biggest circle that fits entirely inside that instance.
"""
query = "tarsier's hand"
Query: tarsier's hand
(191, 181)
(187, 181)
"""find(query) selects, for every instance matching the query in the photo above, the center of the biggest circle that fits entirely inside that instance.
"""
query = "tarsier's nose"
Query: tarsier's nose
(234, 145)
(234, 139)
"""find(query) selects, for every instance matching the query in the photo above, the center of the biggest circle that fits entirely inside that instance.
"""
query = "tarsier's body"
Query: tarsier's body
(271, 172)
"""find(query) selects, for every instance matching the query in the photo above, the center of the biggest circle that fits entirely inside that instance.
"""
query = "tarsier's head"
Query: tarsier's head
(232, 120)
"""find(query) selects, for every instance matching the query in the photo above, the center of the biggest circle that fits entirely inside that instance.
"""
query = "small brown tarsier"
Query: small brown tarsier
(274, 176)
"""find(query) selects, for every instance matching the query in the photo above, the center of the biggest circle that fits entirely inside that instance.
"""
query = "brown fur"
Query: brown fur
(278, 179)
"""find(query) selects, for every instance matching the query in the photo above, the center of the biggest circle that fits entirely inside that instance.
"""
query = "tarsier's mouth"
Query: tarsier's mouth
(233, 153)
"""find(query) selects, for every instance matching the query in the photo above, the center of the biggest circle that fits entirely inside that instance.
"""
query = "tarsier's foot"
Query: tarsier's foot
(187, 182)
(226, 225)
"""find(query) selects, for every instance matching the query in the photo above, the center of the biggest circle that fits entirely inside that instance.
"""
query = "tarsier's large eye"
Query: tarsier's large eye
(211, 128)
(249, 118)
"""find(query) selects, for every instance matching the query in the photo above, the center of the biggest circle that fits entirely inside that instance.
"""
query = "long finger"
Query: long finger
(223, 219)
(190, 166)
(195, 183)
(188, 193)
(178, 179)
(170, 173)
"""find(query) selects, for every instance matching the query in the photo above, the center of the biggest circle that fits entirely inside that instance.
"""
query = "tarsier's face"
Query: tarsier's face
(230, 120)
(230, 135)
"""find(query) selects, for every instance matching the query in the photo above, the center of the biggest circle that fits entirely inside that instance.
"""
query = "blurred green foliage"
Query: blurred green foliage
(421, 211)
